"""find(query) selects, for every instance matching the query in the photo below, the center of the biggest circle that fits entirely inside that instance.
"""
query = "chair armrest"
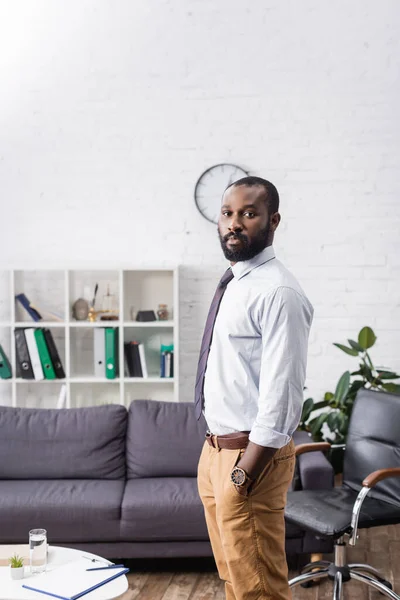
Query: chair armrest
(314, 471)
(373, 478)
(369, 482)
(312, 447)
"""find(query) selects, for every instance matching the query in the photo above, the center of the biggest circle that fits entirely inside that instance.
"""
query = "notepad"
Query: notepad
(72, 581)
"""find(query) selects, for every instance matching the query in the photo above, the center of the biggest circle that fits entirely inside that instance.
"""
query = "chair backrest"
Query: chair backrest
(373, 443)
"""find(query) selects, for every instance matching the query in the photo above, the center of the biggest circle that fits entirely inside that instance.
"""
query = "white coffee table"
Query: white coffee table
(12, 590)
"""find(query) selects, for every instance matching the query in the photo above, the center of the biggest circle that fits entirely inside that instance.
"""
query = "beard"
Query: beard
(248, 249)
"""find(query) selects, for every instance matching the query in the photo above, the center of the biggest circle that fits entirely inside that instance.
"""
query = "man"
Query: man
(249, 386)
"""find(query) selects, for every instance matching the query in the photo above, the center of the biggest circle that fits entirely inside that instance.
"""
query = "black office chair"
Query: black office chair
(368, 497)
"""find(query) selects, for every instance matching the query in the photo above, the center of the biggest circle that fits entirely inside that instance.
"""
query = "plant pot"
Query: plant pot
(17, 572)
(336, 458)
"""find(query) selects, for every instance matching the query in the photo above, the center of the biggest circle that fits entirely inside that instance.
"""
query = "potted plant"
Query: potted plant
(16, 566)
(332, 425)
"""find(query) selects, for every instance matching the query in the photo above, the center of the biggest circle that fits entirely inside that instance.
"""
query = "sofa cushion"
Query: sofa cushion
(74, 443)
(165, 508)
(70, 511)
(164, 439)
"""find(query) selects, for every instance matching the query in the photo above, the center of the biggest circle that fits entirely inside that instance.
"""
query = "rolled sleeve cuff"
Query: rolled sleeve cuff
(263, 436)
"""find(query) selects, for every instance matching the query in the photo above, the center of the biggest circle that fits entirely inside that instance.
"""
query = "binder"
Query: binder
(5, 367)
(72, 581)
(34, 354)
(111, 350)
(36, 316)
(22, 355)
(143, 363)
(45, 359)
(132, 356)
(99, 352)
(54, 356)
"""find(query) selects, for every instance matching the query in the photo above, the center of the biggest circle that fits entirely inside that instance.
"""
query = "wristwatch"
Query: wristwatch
(239, 477)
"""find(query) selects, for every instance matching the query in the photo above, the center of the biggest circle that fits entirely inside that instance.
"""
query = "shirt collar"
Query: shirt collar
(241, 268)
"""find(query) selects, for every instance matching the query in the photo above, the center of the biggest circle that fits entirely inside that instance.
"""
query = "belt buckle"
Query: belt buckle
(213, 439)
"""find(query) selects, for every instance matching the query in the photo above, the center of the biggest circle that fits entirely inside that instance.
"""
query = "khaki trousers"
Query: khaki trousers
(247, 533)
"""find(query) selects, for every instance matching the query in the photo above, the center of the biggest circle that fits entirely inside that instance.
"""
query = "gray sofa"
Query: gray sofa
(118, 483)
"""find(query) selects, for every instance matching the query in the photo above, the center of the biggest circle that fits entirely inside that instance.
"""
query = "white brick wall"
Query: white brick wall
(110, 111)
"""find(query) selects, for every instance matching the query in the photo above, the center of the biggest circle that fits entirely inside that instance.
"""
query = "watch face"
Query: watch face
(210, 187)
(238, 476)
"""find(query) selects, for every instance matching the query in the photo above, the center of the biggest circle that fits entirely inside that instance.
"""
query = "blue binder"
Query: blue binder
(60, 595)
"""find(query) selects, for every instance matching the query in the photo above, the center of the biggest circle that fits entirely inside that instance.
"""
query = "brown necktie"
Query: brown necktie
(206, 341)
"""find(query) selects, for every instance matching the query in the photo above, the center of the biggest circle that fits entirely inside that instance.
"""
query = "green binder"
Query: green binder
(111, 351)
(5, 367)
(44, 355)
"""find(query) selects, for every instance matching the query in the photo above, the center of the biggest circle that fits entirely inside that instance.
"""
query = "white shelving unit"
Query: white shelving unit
(56, 291)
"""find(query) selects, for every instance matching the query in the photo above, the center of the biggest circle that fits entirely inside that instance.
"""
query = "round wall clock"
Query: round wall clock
(210, 187)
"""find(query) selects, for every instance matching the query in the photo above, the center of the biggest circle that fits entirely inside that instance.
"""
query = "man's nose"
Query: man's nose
(235, 224)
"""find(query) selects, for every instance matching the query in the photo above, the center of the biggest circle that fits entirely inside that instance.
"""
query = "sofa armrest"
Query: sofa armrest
(313, 469)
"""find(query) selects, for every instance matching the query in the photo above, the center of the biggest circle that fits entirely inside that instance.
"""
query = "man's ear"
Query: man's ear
(275, 220)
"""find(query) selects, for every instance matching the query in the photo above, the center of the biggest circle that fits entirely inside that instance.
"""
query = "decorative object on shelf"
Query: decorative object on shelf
(132, 313)
(340, 403)
(16, 566)
(162, 312)
(109, 303)
(146, 315)
(109, 318)
(80, 309)
(210, 187)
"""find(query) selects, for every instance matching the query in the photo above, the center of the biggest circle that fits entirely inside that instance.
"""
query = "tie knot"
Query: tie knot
(226, 277)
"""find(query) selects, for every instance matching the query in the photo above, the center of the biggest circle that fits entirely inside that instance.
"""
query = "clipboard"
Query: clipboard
(72, 581)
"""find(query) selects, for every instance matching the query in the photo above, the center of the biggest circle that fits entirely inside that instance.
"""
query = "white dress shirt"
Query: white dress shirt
(256, 367)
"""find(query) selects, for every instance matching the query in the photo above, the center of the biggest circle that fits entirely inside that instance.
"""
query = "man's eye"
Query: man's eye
(251, 215)
(225, 213)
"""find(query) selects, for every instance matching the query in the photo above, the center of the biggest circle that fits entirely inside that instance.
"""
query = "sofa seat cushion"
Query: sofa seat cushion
(163, 508)
(70, 510)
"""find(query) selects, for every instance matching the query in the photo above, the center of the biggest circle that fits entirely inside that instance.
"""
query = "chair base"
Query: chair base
(340, 573)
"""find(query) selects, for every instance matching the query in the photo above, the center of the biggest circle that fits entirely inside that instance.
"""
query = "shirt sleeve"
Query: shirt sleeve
(285, 318)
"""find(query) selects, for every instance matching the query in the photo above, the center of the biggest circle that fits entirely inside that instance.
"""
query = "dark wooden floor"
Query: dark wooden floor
(189, 579)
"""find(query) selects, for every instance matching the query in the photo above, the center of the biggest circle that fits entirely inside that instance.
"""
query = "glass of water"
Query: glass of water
(38, 550)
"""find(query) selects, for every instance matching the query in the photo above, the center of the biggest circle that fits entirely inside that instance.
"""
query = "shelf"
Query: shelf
(94, 323)
(149, 323)
(93, 380)
(38, 324)
(27, 381)
(149, 380)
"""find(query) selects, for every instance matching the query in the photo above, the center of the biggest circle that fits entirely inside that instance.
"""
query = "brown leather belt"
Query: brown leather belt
(230, 441)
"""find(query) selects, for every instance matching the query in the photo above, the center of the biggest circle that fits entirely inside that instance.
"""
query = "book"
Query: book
(44, 354)
(5, 367)
(72, 581)
(34, 354)
(36, 316)
(62, 397)
(24, 367)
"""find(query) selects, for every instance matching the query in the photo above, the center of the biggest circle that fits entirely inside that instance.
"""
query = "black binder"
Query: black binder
(133, 359)
(24, 365)
(55, 357)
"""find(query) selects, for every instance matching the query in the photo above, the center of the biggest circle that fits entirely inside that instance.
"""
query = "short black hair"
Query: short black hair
(271, 193)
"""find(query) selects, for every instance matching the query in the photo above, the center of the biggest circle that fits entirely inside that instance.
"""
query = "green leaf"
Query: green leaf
(355, 386)
(328, 396)
(391, 387)
(308, 407)
(321, 404)
(342, 387)
(355, 346)
(346, 349)
(387, 375)
(367, 373)
(316, 424)
(366, 338)
(332, 421)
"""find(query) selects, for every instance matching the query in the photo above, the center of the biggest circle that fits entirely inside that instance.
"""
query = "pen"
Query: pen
(105, 568)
